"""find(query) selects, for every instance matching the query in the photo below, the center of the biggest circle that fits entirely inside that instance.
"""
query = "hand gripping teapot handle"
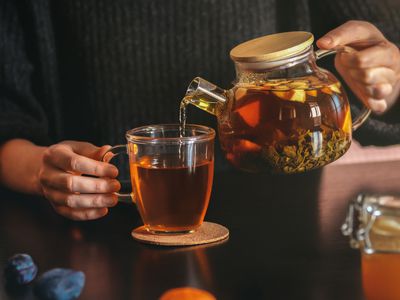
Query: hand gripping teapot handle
(112, 152)
(366, 111)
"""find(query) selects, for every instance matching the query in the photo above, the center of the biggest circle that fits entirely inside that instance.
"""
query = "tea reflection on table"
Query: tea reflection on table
(171, 268)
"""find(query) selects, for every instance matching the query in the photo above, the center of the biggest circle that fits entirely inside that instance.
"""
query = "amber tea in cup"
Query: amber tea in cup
(171, 173)
(171, 196)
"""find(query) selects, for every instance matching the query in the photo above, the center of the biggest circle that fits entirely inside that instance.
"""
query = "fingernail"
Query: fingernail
(114, 171)
(115, 185)
(111, 200)
(386, 89)
(377, 105)
(326, 40)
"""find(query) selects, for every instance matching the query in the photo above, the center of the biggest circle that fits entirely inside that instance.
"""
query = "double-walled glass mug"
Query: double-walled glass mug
(171, 173)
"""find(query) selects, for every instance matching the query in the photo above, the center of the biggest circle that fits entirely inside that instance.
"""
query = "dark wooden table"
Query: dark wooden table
(285, 240)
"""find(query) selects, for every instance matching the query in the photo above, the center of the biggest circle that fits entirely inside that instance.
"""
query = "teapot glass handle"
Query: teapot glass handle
(366, 111)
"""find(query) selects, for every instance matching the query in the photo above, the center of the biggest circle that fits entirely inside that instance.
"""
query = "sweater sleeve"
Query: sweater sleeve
(385, 15)
(21, 116)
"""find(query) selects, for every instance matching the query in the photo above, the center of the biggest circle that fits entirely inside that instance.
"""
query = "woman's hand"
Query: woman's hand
(71, 194)
(373, 70)
(57, 172)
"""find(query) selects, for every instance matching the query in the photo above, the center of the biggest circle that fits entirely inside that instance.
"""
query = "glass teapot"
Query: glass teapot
(284, 113)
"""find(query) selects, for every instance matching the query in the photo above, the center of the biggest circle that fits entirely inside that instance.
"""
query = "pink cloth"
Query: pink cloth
(358, 154)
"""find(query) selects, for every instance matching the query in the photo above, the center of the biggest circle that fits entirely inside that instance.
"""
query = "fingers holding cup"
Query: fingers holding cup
(63, 157)
(82, 214)
(76, 200)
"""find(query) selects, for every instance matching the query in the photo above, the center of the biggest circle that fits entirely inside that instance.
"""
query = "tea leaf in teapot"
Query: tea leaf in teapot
(303, 151)
(290, 151)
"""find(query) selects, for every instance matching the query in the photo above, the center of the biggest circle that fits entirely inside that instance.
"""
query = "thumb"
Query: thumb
(326, 42)
(350, 33)
(98, 155)
(88, 149)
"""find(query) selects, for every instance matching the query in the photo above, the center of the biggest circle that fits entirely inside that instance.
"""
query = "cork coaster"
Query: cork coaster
(207, 233)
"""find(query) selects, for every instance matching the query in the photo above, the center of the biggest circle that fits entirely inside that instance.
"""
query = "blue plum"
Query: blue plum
(20, 269)
(60, 284)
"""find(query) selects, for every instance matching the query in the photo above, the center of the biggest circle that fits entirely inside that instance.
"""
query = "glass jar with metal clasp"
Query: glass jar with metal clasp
(373, 226)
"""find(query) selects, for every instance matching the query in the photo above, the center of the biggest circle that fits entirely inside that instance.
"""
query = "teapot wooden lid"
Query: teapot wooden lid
(272, 47)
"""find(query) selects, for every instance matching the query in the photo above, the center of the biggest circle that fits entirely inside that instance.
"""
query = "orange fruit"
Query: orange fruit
(187, 293)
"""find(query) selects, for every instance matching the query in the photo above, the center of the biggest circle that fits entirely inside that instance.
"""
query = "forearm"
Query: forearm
(20, 161)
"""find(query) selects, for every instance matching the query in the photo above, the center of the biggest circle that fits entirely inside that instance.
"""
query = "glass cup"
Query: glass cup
(171, 174)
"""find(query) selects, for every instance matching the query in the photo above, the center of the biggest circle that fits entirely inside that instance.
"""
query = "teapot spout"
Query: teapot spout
(205, 95)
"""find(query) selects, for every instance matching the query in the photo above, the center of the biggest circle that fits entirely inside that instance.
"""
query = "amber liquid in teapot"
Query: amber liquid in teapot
(285, 125)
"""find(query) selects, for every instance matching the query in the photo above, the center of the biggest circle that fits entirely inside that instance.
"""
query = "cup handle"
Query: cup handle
(112, 152)
(365, 111)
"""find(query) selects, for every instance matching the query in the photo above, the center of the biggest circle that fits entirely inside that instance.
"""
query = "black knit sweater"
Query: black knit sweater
(91, 69)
